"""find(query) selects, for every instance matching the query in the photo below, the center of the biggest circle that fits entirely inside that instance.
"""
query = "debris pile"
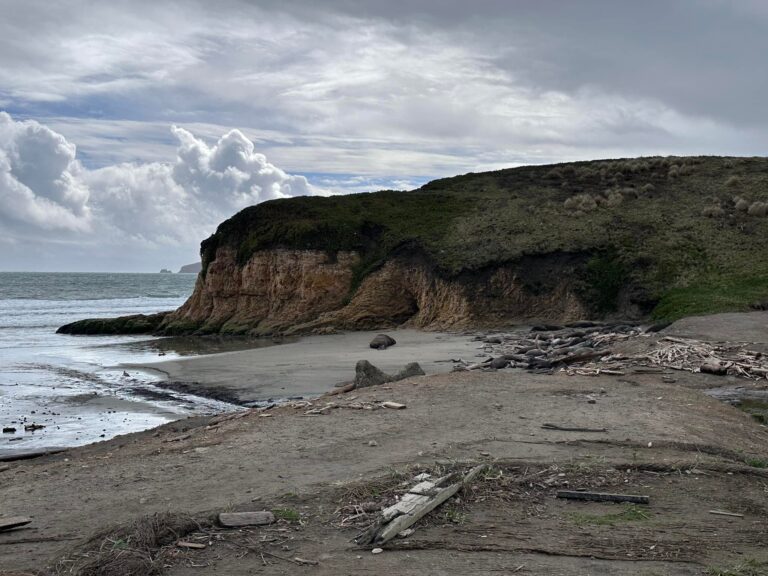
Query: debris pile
(587, 349)
(545, 348)
(694, 355)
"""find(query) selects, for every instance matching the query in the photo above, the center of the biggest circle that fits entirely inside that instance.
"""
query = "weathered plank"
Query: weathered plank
(14, 522)
(603, 497)
(404, 521)
(235, 519)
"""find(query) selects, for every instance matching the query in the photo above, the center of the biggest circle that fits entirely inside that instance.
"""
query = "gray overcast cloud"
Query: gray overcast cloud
(129, 130)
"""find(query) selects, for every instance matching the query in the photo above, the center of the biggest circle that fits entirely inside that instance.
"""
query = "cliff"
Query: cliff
(648, 237)
(191, 268)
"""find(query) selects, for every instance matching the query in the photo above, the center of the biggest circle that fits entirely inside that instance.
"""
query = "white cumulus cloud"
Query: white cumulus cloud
(40, 181)
(45, 192)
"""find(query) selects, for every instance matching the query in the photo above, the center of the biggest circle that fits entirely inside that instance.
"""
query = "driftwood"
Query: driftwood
(191, 545)
(586, 350)
(14, 522)
(724, 513)
(603, 497)
(235, 519)
(342, 389)
(393, 405)
(584, 357)
(571, 429)
(417, 503)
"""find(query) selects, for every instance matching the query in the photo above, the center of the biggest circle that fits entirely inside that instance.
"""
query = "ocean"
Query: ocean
(58, 390)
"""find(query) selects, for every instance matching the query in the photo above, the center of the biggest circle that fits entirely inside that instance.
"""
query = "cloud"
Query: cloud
(44, 188)
(40, 178)
(358, 94)
(231, 172)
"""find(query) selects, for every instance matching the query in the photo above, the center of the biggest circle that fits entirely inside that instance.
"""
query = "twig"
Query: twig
(291, 560)
(724, 513)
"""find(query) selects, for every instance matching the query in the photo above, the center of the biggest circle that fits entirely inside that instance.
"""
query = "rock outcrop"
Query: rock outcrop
(191, 268)
(135, 324)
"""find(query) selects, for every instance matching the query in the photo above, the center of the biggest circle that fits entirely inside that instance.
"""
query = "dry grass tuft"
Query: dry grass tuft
(134, 549)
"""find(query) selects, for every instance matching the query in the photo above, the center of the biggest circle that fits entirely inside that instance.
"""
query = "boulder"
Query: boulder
(713, 367)
(382, 342)
(410, 370)
(499, 363)
(366, 374)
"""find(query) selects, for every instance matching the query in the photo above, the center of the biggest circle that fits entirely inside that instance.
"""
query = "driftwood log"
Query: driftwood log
(603, 497)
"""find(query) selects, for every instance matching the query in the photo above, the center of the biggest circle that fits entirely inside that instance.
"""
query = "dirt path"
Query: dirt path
(689, 452)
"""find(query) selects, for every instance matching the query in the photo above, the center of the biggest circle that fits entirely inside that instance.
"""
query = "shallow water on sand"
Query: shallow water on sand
(74, 386)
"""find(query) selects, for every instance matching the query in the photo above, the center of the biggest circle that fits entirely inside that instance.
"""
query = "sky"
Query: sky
(130, 129)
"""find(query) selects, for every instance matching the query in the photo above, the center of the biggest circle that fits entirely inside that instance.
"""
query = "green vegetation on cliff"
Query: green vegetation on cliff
(674, 235)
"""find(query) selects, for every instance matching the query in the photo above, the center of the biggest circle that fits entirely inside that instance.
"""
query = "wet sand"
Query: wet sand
(314, 364)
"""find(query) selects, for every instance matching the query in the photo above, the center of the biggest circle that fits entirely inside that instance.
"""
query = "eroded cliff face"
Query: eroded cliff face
(275, 290)
(303, 291)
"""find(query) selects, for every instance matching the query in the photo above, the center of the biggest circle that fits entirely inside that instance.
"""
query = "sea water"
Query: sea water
(74, 386)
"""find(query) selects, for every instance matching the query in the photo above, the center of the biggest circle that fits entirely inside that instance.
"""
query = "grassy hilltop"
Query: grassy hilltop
(687, 235)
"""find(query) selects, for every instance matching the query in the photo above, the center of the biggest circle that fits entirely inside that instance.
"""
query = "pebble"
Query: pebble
(377, 551)
(372, 443)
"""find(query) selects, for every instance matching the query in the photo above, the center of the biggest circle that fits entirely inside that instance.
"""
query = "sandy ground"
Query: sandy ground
(315, 364)
(688, 452)
(731, 327)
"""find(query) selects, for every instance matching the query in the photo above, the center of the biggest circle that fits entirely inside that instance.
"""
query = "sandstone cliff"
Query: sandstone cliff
(304, 290)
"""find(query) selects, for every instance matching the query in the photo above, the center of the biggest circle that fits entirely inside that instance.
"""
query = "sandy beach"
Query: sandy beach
(314, 364)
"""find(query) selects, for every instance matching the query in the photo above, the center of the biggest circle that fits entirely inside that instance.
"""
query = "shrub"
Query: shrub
(733, 181)
(648, 188)
(758, 209)
(615, 198)
(741, 204)
(674, 171)
(712, 212)
(580, 203)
